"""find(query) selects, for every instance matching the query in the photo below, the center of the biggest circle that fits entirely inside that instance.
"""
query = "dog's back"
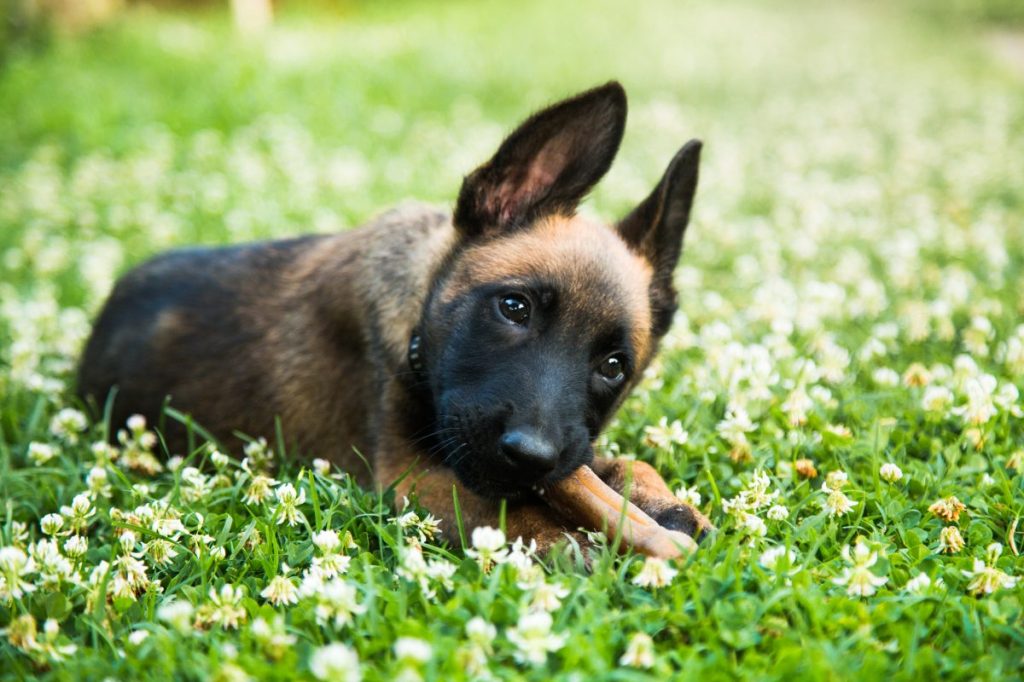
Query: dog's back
(240, 335)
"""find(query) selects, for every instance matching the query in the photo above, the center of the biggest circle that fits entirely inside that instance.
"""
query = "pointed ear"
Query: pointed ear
(655, 228)
(547, 165)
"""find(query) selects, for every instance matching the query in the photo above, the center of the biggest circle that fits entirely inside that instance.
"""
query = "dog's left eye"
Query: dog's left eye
(514, 308)
(613, 369)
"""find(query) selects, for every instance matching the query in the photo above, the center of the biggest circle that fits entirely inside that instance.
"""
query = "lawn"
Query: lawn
(840, 392)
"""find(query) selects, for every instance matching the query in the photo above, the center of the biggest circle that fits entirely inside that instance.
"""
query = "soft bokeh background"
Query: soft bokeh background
(850, 299)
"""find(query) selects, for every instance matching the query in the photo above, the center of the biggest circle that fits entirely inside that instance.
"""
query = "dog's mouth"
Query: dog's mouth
(475, 457)
(471, 450)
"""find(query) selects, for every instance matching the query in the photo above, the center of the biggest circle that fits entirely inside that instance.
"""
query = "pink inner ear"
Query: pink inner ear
(516, 193)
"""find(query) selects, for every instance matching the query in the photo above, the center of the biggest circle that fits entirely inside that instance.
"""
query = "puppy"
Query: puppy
(481, 350)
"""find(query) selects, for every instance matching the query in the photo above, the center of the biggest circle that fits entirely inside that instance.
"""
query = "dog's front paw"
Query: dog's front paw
(685, 519)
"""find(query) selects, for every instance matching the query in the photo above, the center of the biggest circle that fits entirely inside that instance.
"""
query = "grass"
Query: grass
(850, 299)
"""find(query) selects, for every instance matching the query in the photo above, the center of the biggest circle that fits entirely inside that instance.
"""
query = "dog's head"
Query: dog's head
(540, 321)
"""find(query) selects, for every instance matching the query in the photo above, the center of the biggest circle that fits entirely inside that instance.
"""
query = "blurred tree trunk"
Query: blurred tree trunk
(72, 16)
(252, 16)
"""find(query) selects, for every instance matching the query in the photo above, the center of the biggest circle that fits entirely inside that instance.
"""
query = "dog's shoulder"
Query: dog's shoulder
(400, 252)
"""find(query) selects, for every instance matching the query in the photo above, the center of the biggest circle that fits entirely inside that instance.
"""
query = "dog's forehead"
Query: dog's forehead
(596, 275)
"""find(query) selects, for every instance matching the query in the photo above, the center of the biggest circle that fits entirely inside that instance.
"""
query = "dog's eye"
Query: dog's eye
(613, 369)
(514, 308)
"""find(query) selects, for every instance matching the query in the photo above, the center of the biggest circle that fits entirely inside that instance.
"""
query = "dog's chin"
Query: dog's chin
(493, 482)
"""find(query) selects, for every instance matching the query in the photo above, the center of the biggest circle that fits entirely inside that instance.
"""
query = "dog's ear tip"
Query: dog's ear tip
(692, 147)
(611, 91)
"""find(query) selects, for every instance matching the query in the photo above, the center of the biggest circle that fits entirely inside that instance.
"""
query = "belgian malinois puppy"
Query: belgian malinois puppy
(483, 349)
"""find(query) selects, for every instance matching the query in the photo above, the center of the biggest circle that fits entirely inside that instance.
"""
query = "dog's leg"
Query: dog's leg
(644, 487)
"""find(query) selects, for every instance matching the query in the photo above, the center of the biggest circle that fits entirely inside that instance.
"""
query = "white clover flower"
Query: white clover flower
(258, 453)
(219, 459)
(547, 596)
(15, 566)
(980, 406)
(441, 571)
(98, 482)
(985, 577)
(689, 496)
(335, 663)
(288, 501)
(424, 528)
(1007, 397)
(281, 590)
(51, 524)
(273, 637)
(772, 558)
(735, 426)
(917, 375)
(488, 547)
(67, 424)
(937, 399)
(839, 431)
(331, 563)
(136, 424)
(836, 503)
(327, 541)
(860, 581)
(130, 576)
(655, 573)
(533, 638)
(137, 637)
(872, 348)
(335, 601)
(639, 651)
(224, 608)
(520, 557)
(76, 546)
(890, 472)
(321, 466)
(103, 453)
(921, 583)
(664, 435)
(481, 633)
(79, 513)
(977, 335)
(195, 485)
(886, 376)
(835, 480)
(752, 525)
(52, 566)
(797, 405)
(413, 649)
(950, 540)
(41, 453)
(127, 539)
(259, 489)
(160, 551)
(777, 512)
(177, 613)
(754, 496)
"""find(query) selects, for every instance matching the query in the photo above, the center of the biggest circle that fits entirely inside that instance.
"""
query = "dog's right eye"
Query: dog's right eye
(514, 308)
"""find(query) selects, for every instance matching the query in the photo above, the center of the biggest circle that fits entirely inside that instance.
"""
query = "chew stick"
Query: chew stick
(587, 501)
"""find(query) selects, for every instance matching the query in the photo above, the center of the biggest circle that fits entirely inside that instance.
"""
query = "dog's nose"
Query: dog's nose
(528, 449)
